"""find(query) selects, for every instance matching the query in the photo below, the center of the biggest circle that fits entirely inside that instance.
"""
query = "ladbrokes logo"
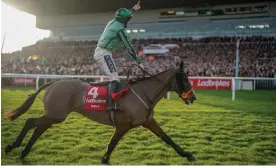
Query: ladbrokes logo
(210, 83)
(100, 101)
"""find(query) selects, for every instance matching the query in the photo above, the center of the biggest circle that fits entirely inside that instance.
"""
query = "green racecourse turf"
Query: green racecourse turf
(215, 129)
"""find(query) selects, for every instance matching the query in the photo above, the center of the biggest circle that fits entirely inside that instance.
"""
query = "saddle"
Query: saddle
(97, 94)
(121, 88)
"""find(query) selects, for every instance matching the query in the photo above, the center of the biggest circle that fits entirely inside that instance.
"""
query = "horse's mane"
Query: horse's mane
(137, 79)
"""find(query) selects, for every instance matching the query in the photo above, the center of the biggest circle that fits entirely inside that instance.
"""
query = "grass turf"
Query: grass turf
(215, 129)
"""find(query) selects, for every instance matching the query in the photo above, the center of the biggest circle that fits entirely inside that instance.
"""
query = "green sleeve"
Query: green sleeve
(128, 46)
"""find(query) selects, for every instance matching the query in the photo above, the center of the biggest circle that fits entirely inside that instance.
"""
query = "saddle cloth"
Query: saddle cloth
(97, 95)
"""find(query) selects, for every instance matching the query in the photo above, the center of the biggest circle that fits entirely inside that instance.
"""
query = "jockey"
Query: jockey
(114, 33)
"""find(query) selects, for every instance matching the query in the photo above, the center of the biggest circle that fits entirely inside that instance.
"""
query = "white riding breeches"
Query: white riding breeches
(104, 59)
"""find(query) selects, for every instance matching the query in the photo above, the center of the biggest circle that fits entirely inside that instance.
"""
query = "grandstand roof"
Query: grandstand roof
(57, 7)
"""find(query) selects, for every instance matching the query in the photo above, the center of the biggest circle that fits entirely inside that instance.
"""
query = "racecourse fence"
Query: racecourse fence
(230, 83)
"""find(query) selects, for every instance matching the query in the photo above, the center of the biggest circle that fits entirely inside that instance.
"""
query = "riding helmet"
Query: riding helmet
(123, 15)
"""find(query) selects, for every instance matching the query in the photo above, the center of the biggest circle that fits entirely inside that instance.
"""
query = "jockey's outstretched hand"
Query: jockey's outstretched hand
(142, 66)
(137, 6)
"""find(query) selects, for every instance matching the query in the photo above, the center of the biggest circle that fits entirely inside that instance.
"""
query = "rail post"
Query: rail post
(37, 82)
(233, 89)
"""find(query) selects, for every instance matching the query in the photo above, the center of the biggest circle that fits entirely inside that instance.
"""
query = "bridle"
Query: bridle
(183, 95)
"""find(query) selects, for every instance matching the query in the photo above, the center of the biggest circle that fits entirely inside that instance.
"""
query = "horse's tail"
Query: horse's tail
(12, 115)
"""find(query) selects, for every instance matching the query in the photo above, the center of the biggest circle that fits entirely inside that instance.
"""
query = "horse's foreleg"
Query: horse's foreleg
(118, 134)
(153, 126)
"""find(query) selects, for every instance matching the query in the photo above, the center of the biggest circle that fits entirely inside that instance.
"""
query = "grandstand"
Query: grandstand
(219, 20)
(203, 28)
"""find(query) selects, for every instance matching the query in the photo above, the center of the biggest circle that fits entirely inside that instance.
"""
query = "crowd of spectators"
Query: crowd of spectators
(209, 56)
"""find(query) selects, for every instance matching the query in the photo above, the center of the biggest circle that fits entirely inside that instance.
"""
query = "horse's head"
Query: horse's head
(182, 86)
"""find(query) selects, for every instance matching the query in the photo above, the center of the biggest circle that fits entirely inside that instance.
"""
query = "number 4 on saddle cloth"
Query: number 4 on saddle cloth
(96, 95)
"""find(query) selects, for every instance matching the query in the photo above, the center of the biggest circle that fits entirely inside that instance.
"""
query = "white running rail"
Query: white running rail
(248, 83)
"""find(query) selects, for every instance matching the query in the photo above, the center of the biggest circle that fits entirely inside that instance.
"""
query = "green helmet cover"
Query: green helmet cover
(123, 15)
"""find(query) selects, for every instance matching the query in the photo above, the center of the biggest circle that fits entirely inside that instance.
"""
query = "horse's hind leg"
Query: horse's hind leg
(37, 133)
(41, 125)
(153, 126)
(118, 134)
(30, 123)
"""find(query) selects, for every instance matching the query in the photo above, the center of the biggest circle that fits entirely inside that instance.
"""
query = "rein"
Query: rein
(184, 95)
(130, 67)
(151, 76)
(150, 101)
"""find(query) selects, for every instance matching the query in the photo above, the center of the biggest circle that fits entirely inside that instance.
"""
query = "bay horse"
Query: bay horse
(136, 108)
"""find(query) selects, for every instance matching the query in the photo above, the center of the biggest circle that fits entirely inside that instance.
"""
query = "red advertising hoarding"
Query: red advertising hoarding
(206, 83)
(203, 83)
(22, 81)
(197, 83)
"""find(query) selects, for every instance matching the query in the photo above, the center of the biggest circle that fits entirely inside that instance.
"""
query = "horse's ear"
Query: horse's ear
(181, 66)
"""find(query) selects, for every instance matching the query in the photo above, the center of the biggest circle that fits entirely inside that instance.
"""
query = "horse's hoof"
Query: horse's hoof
(105, 159)
(8, 148)
(22, 156)
(191, 158)
(104, 162)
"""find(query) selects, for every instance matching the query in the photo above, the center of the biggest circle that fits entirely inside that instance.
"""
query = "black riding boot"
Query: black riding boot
(111, 107)
(112, 89)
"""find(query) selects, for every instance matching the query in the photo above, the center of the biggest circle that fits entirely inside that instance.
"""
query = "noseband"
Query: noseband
(184, 95)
